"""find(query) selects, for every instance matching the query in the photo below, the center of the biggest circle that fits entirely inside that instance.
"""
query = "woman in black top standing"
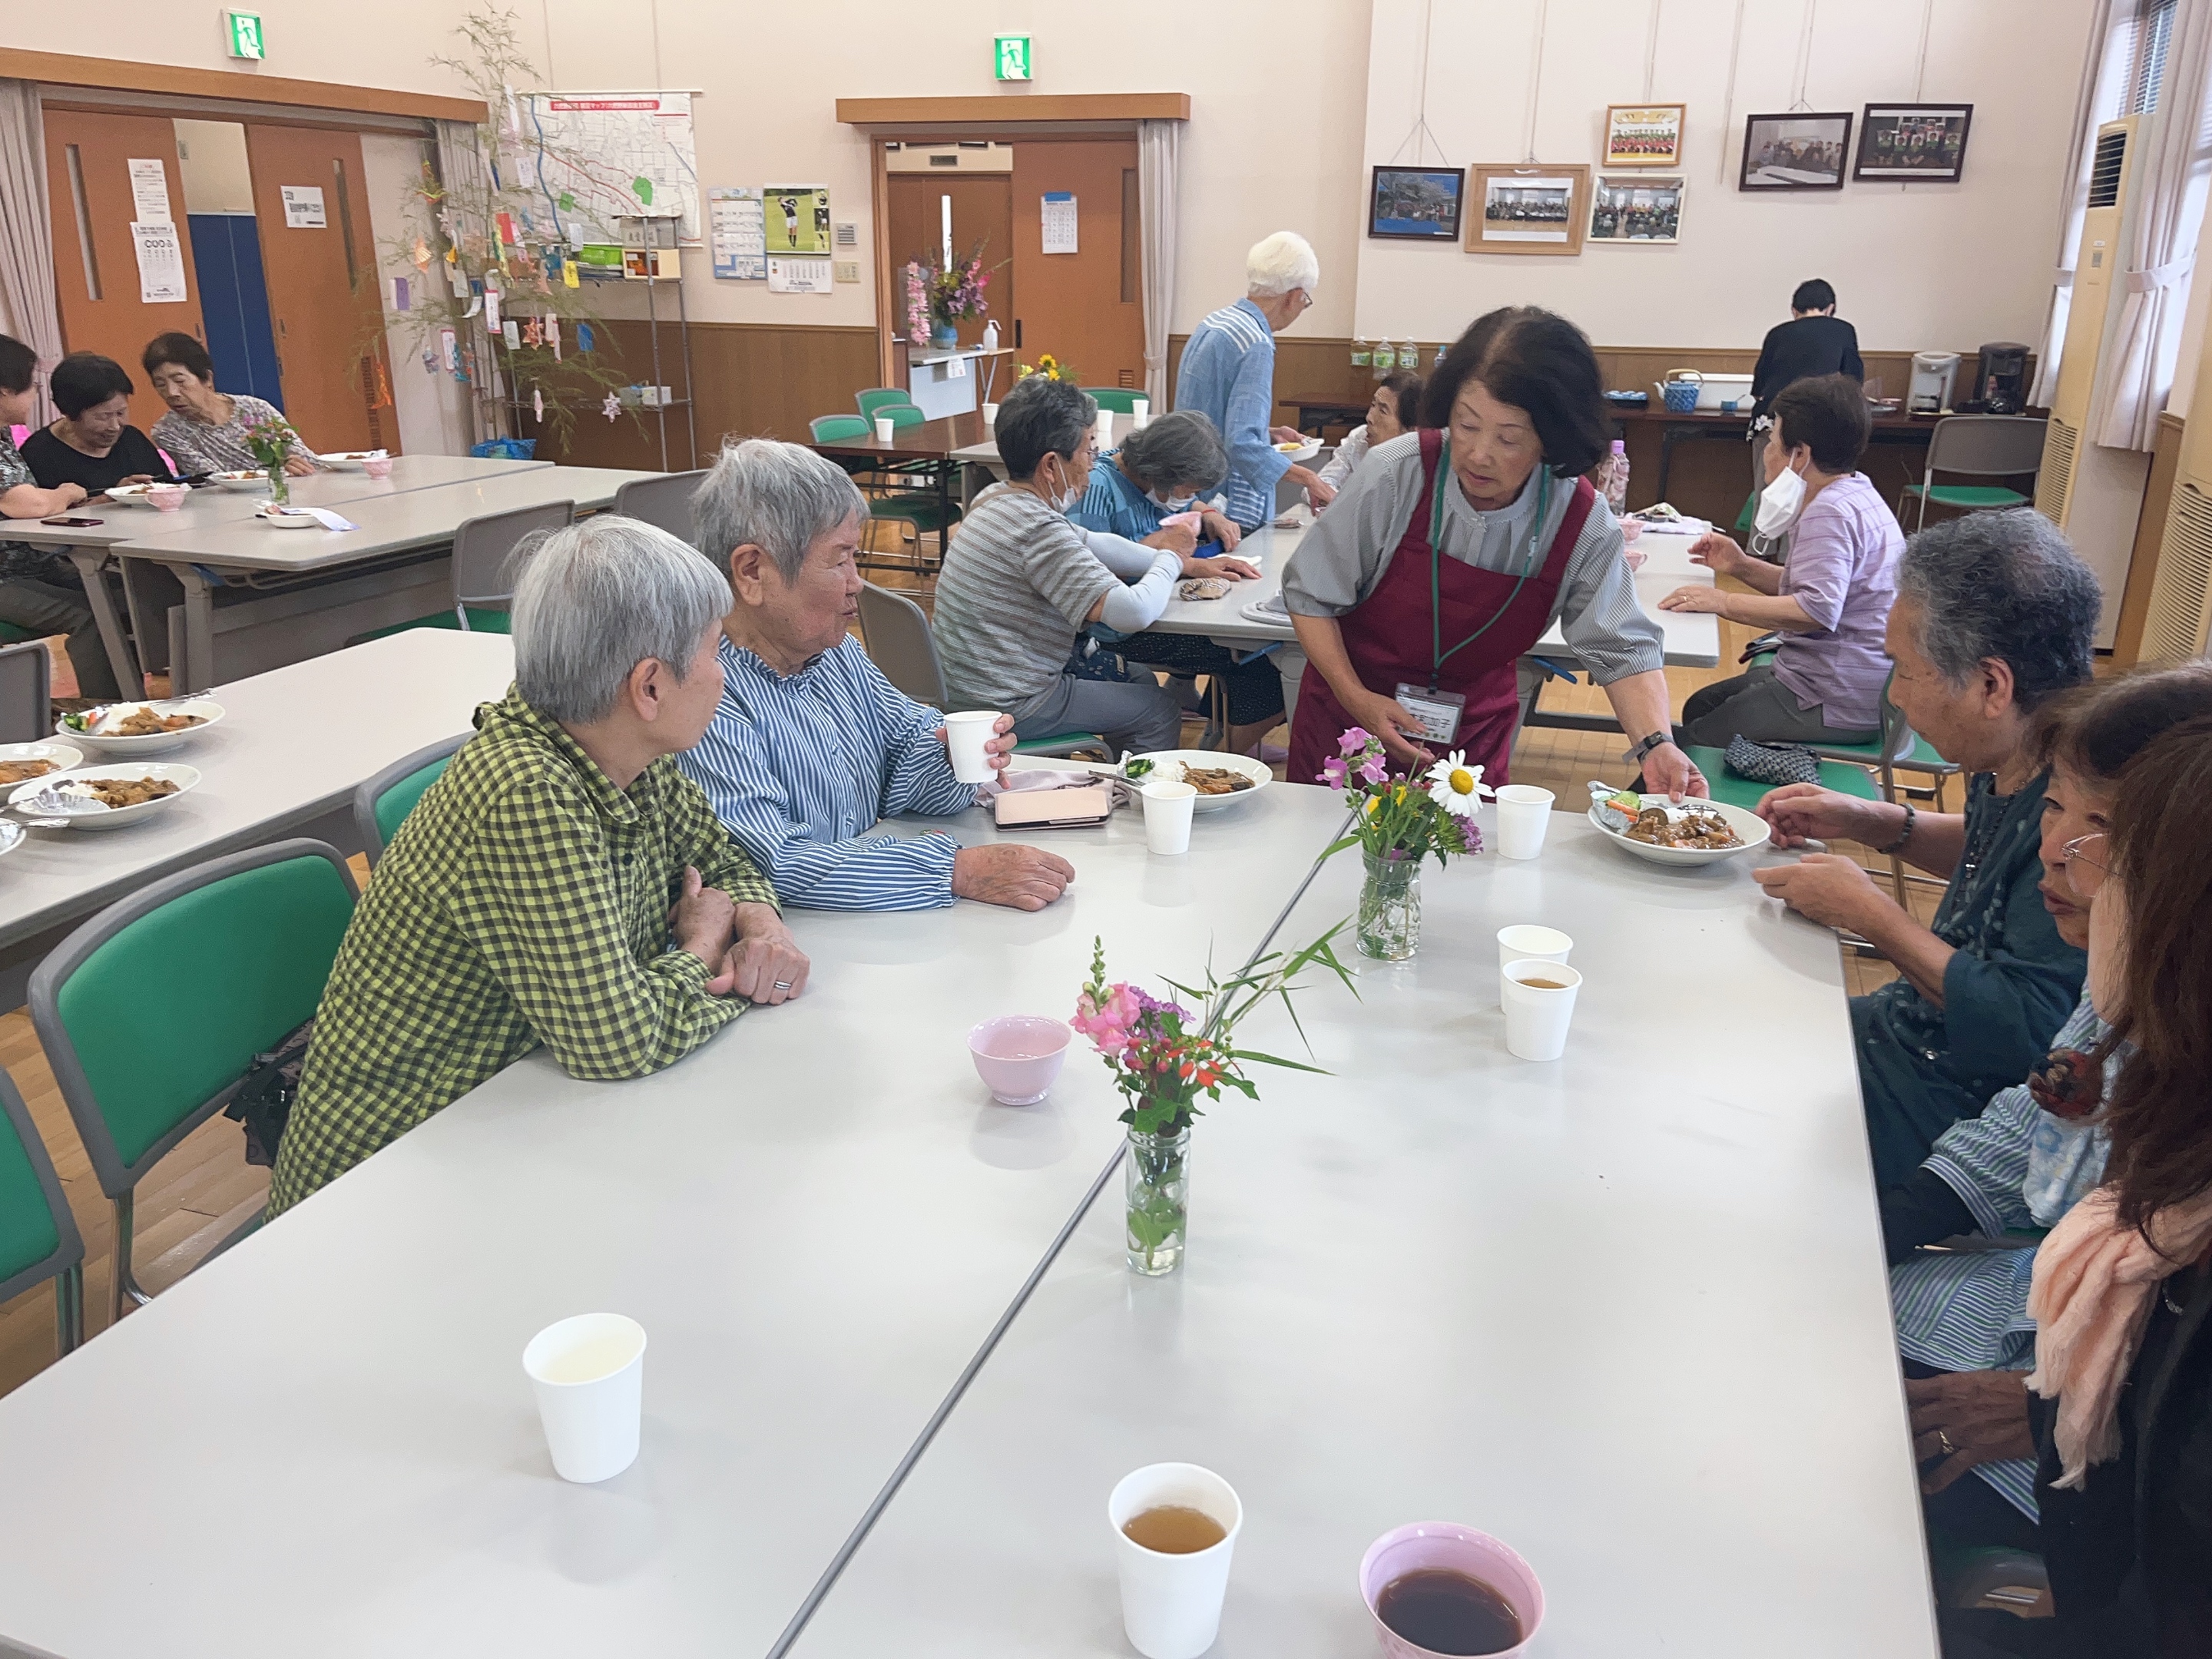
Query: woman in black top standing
(1814, 340)
(94, 444)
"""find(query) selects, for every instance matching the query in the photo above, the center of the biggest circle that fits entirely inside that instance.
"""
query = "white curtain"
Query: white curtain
(27, 310)
(2109, 46)
(1160, 169)
(2171, 159)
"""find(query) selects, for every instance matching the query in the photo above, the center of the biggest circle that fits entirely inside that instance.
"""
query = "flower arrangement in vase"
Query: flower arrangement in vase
(1048, 366)
(1401, 817)
(1164, 1056)
(938, 297)
(272, 439)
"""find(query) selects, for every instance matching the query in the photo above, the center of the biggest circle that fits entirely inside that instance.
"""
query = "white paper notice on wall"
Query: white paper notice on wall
(303, 207)
(149, 193)
(1060, 221)
(160, 264)
(798, 275)
(738, 233)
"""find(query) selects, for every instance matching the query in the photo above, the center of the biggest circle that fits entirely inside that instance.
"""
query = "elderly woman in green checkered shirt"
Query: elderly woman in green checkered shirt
(562, 882)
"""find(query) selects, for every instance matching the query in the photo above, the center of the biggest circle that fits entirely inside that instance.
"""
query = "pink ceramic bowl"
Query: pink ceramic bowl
(1631, 529)
(166, 498)
(381, 467)
(1018, 1055)
(1635, 557)
(1445, 1544)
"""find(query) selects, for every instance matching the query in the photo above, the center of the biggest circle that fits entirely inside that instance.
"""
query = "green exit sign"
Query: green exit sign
(1013, 56)
(243, 29)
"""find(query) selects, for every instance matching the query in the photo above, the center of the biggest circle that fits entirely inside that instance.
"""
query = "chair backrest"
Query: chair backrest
(381, 805)
(38, 1235)
(897, 633)
(1122, 400)
(484, 569)
(834, 429)
(665, 501)
(153, 1010)
(879, 396)
(26, 713)
(900, 414)
(1986, 445)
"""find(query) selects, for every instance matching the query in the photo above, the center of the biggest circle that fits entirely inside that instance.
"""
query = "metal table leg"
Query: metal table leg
(91, 562)
(197, 671)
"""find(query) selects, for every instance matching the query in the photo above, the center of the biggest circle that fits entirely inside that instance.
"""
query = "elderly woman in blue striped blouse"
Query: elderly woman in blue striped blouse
(810, 747)
(2036, 1150)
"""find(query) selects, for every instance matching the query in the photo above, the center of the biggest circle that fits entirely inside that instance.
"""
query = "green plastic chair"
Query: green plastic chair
(27, 713)
(1888, 755)
(899, 415)
(381, 805)
(1976, 446)
(836, 429)
(872, 401)
(896, 631)
(151, 1013)
(484, 566)
(1122, 400)
(38, 1239)
(1748, 793)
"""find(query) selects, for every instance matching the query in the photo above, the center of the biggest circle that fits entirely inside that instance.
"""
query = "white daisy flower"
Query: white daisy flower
(1455, 786)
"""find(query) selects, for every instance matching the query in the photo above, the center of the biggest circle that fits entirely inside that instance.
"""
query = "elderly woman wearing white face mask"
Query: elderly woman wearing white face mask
(1830, 600)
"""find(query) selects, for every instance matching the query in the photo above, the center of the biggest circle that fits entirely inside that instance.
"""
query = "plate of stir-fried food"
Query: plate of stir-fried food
(140, 728)
(21, 761)
(103, 795)
(1220, 778)
(1689, 832)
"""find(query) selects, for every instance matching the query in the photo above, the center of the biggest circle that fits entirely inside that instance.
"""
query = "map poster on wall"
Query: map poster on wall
(798, 218)
(590, 158)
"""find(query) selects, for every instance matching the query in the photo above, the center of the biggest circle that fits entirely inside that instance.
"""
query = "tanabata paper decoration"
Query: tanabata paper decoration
(611, 407)
(583, 337)
(533, 333)
(538, 402)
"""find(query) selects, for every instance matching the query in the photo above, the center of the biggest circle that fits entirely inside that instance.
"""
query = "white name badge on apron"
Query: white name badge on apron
(1438, 712)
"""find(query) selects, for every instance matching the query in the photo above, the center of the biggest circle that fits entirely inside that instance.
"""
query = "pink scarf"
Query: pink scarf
(2094, 1282)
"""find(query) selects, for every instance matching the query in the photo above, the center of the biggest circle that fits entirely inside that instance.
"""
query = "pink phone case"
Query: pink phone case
(1054, 809)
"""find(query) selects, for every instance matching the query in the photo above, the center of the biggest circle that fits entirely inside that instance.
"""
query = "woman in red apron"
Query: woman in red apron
(1419, 643)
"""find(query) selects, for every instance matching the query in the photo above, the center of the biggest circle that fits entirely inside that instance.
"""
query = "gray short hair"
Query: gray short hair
(1042, 416)
(599, 598)
(781, 498)
(2004, 586)
(1182, 448)
(1279, 263)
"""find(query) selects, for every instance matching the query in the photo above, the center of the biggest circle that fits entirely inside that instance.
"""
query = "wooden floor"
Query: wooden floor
(204, 1190)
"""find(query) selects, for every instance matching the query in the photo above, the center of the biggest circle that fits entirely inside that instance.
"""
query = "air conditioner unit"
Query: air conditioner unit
(2180, 607)
(2093, 493)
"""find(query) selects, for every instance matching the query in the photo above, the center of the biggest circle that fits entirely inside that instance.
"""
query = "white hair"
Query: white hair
(1279, 263)
(779, 497)
(599, 598)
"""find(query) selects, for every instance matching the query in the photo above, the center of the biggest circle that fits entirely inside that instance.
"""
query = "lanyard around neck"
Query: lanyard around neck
(1437, 654)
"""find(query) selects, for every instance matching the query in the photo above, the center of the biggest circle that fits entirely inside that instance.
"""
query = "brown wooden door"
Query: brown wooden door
(982, 208)
(324, 300)
(88, 156)
(1087, 307)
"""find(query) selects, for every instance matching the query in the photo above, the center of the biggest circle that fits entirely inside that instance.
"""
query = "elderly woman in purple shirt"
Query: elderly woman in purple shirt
(1830, 601)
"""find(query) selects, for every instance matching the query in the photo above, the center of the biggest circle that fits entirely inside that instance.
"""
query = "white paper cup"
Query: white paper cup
(1140, 411)
(1171, 1604)
(1105, 429)
(1536, 1018)
(964, 738)
(1168, 807)
(1523, 812)
(990, 413)
(589, 1373)
(1525, 942)
(884, 428)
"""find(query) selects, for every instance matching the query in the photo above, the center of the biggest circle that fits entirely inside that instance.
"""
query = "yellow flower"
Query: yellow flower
(1373, 801)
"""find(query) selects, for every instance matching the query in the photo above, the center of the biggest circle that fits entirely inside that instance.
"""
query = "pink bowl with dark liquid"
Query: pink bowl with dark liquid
(1449, 1547)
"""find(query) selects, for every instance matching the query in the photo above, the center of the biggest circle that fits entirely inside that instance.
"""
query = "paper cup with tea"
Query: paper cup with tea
(1436, 1587)
(966, 737)
(1526, 942)
(1174, 1528)
(589, 1374)
(1540, 1004)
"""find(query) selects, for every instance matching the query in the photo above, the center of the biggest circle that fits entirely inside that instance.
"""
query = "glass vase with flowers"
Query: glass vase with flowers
(1401, 818)
(272, 439)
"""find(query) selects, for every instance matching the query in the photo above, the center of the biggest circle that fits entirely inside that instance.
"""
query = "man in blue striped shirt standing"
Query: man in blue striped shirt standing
(810, 747)
(1228, 374)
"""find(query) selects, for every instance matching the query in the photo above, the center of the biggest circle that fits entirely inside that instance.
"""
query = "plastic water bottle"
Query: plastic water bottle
(1616, 479)
(1385, 359)
(1361, 354)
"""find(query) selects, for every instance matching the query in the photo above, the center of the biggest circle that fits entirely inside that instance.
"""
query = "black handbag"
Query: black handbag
(264, 1097)
(1771, 762)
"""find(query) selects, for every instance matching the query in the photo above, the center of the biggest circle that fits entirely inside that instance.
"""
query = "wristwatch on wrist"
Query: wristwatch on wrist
(1635, 756)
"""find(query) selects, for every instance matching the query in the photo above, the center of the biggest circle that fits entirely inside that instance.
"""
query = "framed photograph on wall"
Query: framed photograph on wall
(1643, 134)
(1536, 208)
(1914, 144)
(1794, 152)
(1640, 209)
(1417, 204)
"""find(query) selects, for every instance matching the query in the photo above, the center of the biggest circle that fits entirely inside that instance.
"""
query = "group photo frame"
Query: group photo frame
(1636, 209)
(1913, 143)
(1796, 151)
(1644, 136)
(1415, 205)
(1528, 207)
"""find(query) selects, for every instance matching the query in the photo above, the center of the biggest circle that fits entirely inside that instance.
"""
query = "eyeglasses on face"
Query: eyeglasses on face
(2071, 855)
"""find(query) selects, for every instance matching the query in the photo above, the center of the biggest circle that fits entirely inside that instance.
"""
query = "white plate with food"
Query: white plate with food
(1695, 832)
(130, 495)
(102, 796)
(1299, 453)
(286, 518)
(1220, 780)
(140, 728)
(21, 761)
(349, 460)
(249, 480)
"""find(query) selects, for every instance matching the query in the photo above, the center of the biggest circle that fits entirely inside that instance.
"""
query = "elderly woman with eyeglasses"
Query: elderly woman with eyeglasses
(562, 883)
(2035, 1151)
(1995, 616)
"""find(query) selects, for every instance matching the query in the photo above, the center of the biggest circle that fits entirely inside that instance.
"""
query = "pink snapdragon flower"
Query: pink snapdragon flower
(1109, 1027)
(1332, 773)
(1353, 741)
(1374, 771)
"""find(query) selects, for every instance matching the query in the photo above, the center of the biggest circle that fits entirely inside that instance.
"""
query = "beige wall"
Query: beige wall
(1917, 267)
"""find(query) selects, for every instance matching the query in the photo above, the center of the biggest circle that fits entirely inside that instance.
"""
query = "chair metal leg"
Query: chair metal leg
(123, 1292)
(68, 1308)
